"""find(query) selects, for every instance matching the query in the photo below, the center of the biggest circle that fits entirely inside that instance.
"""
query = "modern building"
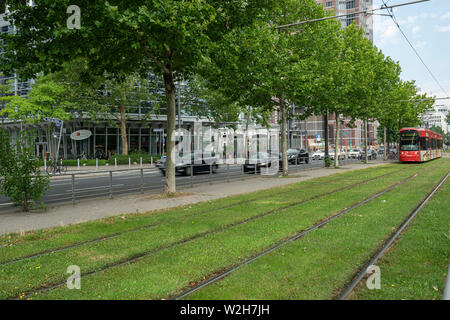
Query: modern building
(436, 117)
(349, 8)
(19, 87)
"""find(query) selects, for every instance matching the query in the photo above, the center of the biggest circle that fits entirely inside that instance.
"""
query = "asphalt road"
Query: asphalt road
(96, 185)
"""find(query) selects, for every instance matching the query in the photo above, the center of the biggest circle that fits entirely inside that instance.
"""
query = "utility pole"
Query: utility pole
(179, 105)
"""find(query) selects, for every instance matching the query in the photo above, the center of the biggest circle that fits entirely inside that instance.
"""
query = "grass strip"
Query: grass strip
(15, 246)
(44, 270)
(416, 266)
(319, 265)
(165, 272)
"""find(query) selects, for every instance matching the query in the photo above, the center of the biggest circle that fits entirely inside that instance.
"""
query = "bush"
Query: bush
(135, 157)
(20, 176)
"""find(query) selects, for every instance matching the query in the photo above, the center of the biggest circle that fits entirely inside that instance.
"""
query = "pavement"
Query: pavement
(61, 215)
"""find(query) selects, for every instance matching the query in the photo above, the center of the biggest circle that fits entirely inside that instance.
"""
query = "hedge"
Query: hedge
(135, 157)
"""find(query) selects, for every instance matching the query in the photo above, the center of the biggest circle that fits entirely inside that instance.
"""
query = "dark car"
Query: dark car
(371, 154)
(303, 156)
(258, 161)
(191, 163)
(295, 156)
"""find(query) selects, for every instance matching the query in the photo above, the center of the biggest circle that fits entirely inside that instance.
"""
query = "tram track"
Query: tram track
(217, 276)
(361, 273)
(150, 226)
(139, 256)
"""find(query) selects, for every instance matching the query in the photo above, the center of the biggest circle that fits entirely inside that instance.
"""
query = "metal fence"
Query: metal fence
(150, 179)
(77, 186)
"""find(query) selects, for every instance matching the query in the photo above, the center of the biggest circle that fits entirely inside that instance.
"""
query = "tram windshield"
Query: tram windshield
(409, 140)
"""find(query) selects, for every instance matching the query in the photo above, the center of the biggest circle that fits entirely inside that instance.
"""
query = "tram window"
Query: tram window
(433, 143)
(424, 144)
(409, 141)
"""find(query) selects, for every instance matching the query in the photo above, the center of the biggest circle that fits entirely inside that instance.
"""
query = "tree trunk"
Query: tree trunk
(389, 139)
(123, 130)
(325, 137)
(170, 89)
(283, 138)
(385, 144)
(336, 153)
(366, 160)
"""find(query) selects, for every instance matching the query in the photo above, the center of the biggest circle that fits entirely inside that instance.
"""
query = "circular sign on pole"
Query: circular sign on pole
(80, 135)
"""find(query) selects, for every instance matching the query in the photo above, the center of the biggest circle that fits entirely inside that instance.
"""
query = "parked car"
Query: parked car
(354, 153)
(318, 155)
(258, 161)
(296, 156)
(197, 162)
(371, 154)
(341, 155)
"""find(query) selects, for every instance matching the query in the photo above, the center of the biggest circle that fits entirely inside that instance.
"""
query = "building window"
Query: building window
(350, 4)
(350, 19)
(329, 4)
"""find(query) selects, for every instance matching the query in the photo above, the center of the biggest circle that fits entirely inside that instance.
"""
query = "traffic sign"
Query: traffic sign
(80, 134)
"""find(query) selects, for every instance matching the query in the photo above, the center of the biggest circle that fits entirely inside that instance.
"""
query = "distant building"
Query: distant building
(341, 7)
(436, 117)
(309, 133)
(19, 87)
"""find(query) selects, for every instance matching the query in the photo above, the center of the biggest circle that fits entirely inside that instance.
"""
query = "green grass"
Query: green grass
(416, 267)
(47, 239)
(319, 265)
(164, 272)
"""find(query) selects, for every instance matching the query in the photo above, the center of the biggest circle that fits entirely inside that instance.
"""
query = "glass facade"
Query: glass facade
(18, 86)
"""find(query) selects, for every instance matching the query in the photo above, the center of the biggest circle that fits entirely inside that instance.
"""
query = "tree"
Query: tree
(20, 176)
(6, 95)
(267, 70)
(109, 96)
(169, 37)
(438, 129)
(47, 99)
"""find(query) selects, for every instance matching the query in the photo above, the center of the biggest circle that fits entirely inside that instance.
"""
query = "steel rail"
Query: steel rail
(360, 275)
(284, 242)
(446, 294)
(144, 254)
(149, 226)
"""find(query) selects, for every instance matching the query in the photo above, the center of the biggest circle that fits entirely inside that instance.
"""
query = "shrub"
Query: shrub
(20, 176)
(135, 157)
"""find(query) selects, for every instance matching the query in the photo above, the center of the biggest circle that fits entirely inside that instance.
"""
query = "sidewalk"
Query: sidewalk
(100, 208)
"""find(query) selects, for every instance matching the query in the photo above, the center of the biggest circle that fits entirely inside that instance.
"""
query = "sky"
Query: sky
(427, 26)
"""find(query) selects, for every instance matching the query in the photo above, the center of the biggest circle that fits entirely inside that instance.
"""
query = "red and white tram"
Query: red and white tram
(419, 144)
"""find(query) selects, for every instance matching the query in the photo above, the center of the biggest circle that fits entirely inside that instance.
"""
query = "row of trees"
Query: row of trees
(230, 52)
